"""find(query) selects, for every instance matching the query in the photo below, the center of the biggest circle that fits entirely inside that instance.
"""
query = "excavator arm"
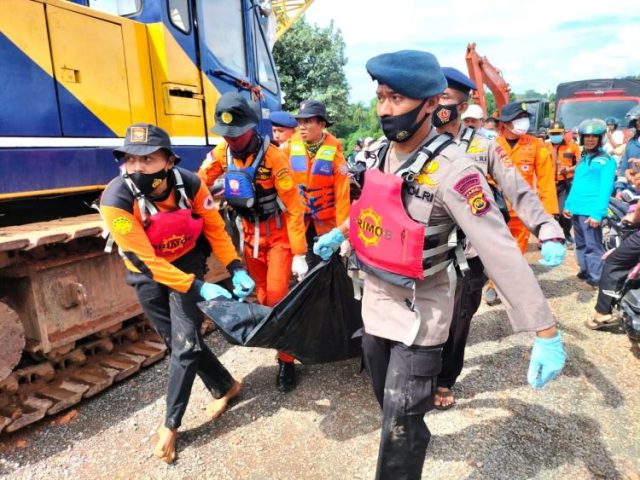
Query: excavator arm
(483, 73)
(287, 12)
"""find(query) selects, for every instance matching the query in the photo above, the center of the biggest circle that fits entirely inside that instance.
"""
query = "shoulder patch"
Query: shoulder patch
(208, 203)
(503, 156)
(470, 187)
(122, 225)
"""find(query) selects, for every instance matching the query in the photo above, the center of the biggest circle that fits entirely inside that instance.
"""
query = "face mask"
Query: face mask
(250, 147)
(444, 114)
(401, 128)
(520, 126)
(556, 139)
(147, 182)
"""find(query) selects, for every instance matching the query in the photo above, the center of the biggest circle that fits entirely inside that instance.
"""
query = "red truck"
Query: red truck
(598, 98)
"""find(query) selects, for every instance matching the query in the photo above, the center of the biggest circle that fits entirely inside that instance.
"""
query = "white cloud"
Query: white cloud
(536, 45)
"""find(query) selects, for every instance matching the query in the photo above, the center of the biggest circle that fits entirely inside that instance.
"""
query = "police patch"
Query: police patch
(226, 117)
(429, 169)
(344, 169)
(282, 172)
(475, 147)
(470, 187)
(208, 203)
(122, 225)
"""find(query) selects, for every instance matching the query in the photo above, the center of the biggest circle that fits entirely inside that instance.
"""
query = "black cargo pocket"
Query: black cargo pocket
(426, 364)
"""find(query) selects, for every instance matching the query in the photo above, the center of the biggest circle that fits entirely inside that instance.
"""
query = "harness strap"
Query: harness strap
(414, 165)
(466, 136)
(435, 229)
(183, 199)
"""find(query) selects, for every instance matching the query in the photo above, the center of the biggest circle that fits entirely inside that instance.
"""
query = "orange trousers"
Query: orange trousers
(271, 270)
(519, 232)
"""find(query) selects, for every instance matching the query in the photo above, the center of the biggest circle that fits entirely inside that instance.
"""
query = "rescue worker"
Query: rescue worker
(320, 171)
(533, 160)
(259, 185)
(588, 199)
(421, 179)
(163, 220)
(505, 181)
(565, 154)
(283, 126)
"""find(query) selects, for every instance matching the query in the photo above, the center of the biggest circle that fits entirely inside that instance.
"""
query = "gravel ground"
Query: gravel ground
(583, 425)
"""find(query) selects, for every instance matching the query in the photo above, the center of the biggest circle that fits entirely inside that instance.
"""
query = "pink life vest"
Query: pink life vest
(381, 232)
(173, 233)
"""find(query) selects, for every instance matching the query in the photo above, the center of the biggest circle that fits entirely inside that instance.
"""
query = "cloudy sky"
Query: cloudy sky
(535, 44)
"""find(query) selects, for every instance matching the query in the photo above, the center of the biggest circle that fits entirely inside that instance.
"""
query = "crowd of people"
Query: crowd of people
(448, 201)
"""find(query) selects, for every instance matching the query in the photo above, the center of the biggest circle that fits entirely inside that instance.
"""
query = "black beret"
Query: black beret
(411, 73)
(458, 80)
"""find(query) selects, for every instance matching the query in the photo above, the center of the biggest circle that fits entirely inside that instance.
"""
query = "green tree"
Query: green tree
(310, 62)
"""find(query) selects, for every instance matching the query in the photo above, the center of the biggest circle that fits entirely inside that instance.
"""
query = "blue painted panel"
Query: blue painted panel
(77, 119)
(27, 95)
(34, 169)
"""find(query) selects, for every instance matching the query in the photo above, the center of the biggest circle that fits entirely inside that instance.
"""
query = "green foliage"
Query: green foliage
(310, 62)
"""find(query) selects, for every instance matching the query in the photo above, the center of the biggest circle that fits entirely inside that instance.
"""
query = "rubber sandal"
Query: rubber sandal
(602, 323)
(441, 396)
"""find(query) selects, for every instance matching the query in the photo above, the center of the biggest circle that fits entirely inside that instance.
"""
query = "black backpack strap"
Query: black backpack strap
(414, 165)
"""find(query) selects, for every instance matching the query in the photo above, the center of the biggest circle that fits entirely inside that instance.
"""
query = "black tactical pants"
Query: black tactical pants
(562, 188)
(177, 320)
(404, 380)
(615, 271)
(467, 301)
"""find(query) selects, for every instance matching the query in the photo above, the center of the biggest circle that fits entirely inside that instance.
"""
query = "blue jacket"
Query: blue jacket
(592, 185)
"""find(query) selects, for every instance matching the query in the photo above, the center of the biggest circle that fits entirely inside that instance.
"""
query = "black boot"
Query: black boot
(286, 380)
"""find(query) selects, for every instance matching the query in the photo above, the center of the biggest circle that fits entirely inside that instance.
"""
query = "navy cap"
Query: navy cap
(234, 116)
(313, 108)
(512, 110)
(143, 139)
(283, 119)
(411, 73)
(458, 80)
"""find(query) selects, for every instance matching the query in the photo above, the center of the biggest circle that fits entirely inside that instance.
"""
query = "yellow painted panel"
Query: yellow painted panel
(23, 22)
(138, 73)
(94, 49)
(171, 65)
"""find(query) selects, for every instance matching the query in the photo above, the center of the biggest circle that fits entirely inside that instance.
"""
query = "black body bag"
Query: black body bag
(314, 323)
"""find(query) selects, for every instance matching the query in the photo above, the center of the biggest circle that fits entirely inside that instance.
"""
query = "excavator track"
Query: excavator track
(70, 327)
(32, 392)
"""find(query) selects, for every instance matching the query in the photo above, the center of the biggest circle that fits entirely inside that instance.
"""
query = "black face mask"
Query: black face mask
(444, 114)
(250, 148)
(401, 128)
(147, 182)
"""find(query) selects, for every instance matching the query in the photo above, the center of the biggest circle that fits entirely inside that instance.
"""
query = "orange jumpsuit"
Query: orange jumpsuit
(322, 181)
(566, 155)
(280, 236)
(533, 161)
(124, 221)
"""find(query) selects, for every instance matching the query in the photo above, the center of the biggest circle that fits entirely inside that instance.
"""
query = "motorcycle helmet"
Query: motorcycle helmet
(592, 126)
(611, 121)
(633, 115)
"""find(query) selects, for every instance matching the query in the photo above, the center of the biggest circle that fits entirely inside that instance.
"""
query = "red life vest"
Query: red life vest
(170, 233)
(381, 232)
(173, 233)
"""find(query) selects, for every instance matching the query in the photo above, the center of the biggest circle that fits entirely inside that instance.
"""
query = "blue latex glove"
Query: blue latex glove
(243, 284)
(328, 243)
(553, 253)
(209, 291)
(547, 360)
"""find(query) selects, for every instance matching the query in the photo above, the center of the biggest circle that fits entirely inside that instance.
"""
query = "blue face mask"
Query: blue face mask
(556, 139)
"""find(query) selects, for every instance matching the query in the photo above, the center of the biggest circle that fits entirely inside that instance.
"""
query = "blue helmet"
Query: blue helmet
(611, 121)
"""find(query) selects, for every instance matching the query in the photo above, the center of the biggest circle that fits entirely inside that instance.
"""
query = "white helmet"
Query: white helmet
(473, 111)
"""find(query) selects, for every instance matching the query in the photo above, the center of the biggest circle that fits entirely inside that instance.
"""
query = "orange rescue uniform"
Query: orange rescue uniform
(565, 155)
(533, 161)
(124, 221)
(280, 236)
(323, 183)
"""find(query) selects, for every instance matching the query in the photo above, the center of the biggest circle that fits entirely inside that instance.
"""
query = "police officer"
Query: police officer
(159, 216)
(424, 185)
(503, 179)
(260, 186)
(283, 126)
